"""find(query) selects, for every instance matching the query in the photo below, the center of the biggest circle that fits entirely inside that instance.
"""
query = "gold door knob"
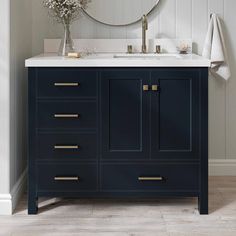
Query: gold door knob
(145, 87)
(155, 87)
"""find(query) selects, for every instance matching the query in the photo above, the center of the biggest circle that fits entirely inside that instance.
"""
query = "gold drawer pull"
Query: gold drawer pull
(66, 84)
(141, 178)
(66, 147)
(63, 178)
(155, 87)
(66, 115)
(145, 87)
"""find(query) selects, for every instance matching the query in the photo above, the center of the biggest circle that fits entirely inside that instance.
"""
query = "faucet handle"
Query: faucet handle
(129, 49)
(158, 49)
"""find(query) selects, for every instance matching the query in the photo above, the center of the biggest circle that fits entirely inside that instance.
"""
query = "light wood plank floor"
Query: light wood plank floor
(164, 217)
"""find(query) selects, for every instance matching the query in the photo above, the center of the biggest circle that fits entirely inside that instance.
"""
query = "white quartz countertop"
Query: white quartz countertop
(119, 60)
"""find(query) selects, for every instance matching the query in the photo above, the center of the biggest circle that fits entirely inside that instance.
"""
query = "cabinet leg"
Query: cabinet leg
(32, 205)
(203, 204)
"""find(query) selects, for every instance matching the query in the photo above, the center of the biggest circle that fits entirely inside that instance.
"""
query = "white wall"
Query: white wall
(21, 46)
(4, 104)
(15, 46)
(174, 19)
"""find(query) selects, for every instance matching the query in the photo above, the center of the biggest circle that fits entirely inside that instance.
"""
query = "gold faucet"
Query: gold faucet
(144, 29)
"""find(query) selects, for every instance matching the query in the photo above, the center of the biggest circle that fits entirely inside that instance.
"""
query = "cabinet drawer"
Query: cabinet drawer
(67, 146)
(149, 177)
(67, 114)
(66, 83)
(67, 177)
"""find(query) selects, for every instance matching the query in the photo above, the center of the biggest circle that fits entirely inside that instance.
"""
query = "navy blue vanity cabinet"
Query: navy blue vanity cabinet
(125, 114)
(63, 132)
(175, 108)
(118, 132)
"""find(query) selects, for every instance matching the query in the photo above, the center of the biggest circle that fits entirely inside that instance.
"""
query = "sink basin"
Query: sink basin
(148, 56)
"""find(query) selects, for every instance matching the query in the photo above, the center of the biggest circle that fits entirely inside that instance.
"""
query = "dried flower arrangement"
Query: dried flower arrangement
(65, 12)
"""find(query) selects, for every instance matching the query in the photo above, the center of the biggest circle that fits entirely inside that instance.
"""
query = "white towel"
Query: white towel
(215, 49)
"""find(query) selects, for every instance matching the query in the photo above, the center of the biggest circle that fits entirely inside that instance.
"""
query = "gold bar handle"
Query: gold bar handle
(155, 87)
(142, 178)
(66, 84)
(66, 115)
(64, 178)
(145, 87)
(66, 147)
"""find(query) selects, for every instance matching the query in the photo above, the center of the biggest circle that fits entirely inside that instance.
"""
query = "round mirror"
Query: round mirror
(119, 12)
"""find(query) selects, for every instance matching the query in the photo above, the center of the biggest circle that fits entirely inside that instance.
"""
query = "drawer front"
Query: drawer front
(149, 177)
(67, 177)
(67, 146)
(66, 83)
(67, 114)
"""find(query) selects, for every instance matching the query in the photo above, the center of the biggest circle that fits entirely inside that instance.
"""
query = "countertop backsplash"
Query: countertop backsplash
(118, 45)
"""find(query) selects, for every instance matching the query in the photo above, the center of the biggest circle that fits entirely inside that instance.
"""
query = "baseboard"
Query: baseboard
(5, 204)
(8, 202)
(222, 167)
(18, 189)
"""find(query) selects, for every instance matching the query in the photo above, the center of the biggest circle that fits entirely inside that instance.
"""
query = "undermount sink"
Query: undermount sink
(148, 56)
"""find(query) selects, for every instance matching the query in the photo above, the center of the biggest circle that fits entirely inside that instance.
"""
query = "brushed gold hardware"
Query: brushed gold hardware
(150, 178)
(144, 29)
(66, 115)
(64, 178)
(66, 84)
(145, 87)
(66, 147)
(154, 87)
(129, 49)
(158, 49)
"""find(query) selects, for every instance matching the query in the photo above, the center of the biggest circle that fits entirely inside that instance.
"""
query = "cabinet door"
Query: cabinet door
(125, 112)
(175, 114)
